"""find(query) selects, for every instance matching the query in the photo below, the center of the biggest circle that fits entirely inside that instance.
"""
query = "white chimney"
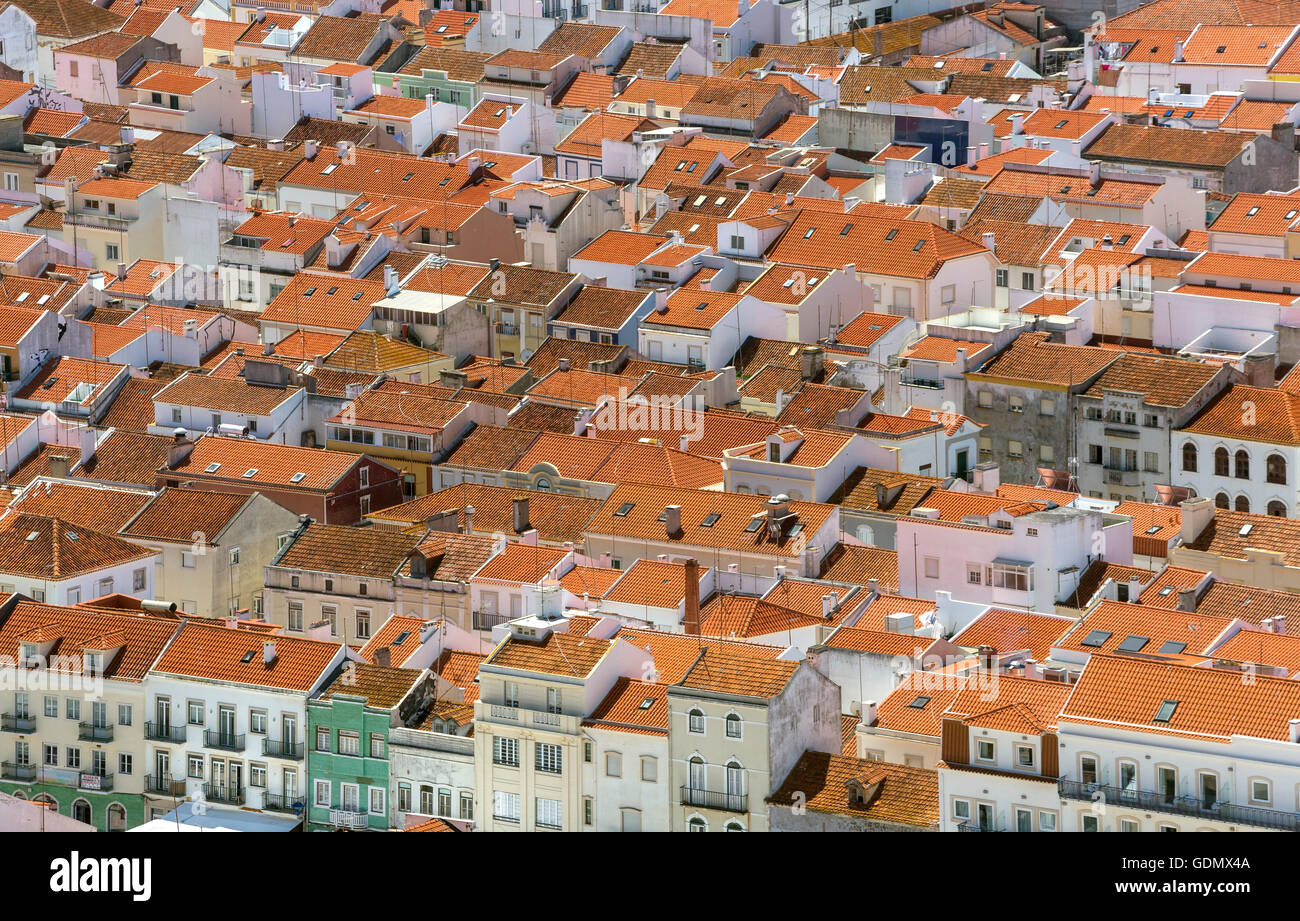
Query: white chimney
(268, 651)
(869, 710)
(1294, 726)
(309, 149)
(391, 287)
(987, 239)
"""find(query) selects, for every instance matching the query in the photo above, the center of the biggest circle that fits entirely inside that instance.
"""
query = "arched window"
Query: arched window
(1221, 501)
(697, 824)
(1242, 504)
(695, 775)
(1242, 466)
(1277, 509)
(1189, 457)
(117, 817)
(733, 726)
(866, 534)
(81, 811)
(426, 800)
(734, 826)
(543, 483)
(735, 779)
(1220, 461)
(695, 721)
(1276, 472)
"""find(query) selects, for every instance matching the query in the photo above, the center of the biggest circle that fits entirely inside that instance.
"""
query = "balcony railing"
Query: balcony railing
(227, 741)
(23, 724)
(278, 802)
(10, 770)
(223, 793)
(504, 713)
(163, 785)
(348, 818)
(975, 826)
(90, 780)
(89, 732)
(291, 750)
(486, 620)
(714, 799)
(163, 732)
(1191, 806)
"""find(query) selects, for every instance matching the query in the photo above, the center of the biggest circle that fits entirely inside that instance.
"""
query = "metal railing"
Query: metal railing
(157, 732)
(164, 785)
(348, 818)
(277, 802)
(227, 741)
(714, 799)
(11, 770)
(291, 749)
(11, 723)
(484, 620)
(223, 793)
(89, 732)
(1191, 806)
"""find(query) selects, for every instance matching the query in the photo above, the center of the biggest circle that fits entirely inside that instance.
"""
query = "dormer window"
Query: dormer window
(93, 662)
(29, 653)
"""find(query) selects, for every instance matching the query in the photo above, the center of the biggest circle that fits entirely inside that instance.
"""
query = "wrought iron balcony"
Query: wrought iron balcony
(10, 770)
(486, 620)
(166, 732)
(292, 750)
(223, 793)
(89, 732)
(1191, 806)
(278, 802)
(226, 741)
(164, 785)
(22, 724)
(714, 799)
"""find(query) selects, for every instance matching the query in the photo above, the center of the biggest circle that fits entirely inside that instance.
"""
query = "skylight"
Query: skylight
(297, 477)
(1171, 647)
(919, 703)
(1096, 638)
(623, 509)
(1134, 643)
(250, 472)
(1166, 712)
(212, 468)
(710, 520)
(754, 525)
(808, 235)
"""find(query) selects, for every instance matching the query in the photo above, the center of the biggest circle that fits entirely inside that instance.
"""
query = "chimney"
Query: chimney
(684, 443)
(986, 655)
(989, 241)
(1178, 50)
(309, 149)
(59, 466)
(564, 364)
(121, 271)
(127, 134)
(179, 449)
(1294, 727)
(520, 514)
(1279, 623)
(869, 710)
(275, 144)
(828, 605)
(672, 520)
(384, 656)
(391, 288)
(1197, 513)
(1033, 669)
(1107, 243)
(811, 361)
(1134, 590)
(972, 153)
(268, 652)
(1094, 172)
(469, 519)
(873, 587)
(1017, 124)
(1187, 599)
(650, 109)
(691, 586)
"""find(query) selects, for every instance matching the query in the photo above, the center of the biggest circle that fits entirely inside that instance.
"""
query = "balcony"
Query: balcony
(291, 750)
(163, 785)
(89, 732)
(348, 818)
(1122, 477)
(21, 724)
(91, 780)
(714, 799)
(12, 771)
(975, 826)
(278, 802)
(505, 713)
(223, 793)
(164, 732)
(1190, 806)
(486, 620)
(507, 329)
(226, 741)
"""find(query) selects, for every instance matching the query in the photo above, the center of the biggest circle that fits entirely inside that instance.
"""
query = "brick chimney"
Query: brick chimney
(691, 622)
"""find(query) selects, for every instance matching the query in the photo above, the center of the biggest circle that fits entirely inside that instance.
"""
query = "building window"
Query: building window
(1002, 280)
(363, 625)
(322, 793)
(549, 758)
(124, 714)
(257, 722)
(587, 810)
(377, 801)
(257, 776)
(377, 745)
(1241, 465)
(349, 743)
(613, 764)
(649, 770)
(194, 766)
(1242, 504)
(985, 750)
(1089, 823)
(1189, 457)
(403, 797)
(549, 812)
(505, 806)
(505, 751)
(1277, 508)
(295, 616)
(1024, 756)
(733, 726)
(322, 738)
(695, 721)
(1220, 461)
(1276, 469)
(137, 580)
